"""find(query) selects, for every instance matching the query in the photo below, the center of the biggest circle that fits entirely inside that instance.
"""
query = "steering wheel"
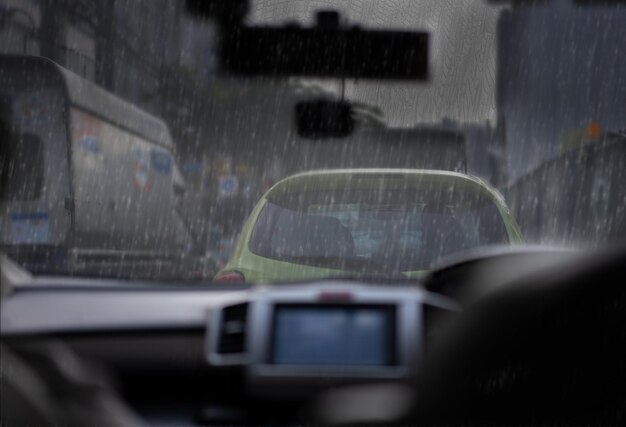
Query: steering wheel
(549, 347)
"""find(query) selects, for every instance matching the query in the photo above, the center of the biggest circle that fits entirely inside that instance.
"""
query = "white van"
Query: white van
(100, 198)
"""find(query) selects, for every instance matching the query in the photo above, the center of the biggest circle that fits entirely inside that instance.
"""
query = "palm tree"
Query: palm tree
(366, 116)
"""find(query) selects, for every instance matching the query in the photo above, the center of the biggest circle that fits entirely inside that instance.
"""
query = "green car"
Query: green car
(366, 222)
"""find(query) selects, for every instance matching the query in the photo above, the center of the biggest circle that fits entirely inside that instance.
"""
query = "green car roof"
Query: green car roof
(392, 178)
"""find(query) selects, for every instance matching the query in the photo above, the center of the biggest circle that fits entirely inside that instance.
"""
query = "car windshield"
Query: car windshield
(158, 140)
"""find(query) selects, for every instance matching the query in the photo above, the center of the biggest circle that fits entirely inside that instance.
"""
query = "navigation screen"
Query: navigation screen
(334, 335)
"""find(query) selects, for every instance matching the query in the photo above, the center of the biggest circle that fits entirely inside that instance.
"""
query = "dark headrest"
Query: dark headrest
(315, 235)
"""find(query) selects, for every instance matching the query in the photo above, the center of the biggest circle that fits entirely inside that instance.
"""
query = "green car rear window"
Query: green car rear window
(394, 230)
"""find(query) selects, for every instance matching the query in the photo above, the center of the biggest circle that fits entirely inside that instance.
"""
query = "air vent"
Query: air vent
(232, 333)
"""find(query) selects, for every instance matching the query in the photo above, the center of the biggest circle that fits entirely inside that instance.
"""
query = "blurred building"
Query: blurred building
(561, 67)
(561, 99)
(125, 46)
(19, 24)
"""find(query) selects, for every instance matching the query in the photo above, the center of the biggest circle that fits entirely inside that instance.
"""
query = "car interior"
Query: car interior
(528, 334)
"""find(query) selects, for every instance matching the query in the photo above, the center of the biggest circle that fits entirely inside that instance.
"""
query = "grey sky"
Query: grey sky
(463, 58)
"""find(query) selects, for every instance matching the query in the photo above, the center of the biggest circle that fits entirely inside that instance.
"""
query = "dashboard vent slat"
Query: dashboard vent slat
(232, 333)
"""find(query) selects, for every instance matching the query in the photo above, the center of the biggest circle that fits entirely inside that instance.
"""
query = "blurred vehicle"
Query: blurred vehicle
(92, 180)
(591, 195)
(379, 222)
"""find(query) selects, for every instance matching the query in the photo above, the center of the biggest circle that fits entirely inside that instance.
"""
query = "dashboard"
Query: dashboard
(216, 354)
(516, 335)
